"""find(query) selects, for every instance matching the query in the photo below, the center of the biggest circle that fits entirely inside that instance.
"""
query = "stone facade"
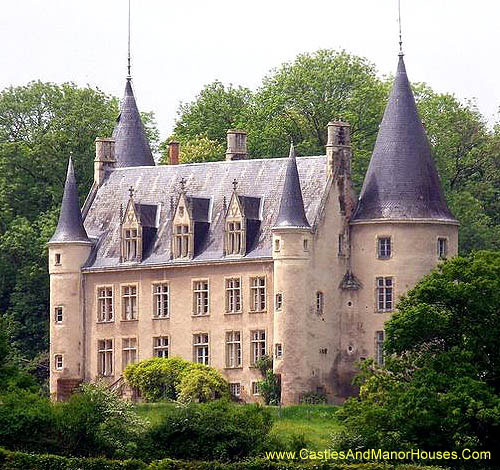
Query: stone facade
(222, 262)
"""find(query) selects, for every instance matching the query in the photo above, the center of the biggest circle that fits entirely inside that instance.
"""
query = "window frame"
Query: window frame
(161, 347)
(123, 301)
(58, 314)
(233, 349)
(128, 350)
(439, 254)
(278, 350)
(236, 385)
(381, 293)
(108, 355)
(278, 301)
(204, 303)
(258, 346)
(131, 237)
(254, 388)
(58, 367)
(111, 312)
(320, 302)
(256, 296)
(379, 347)
(158, 299)
(182, 240)
(233, 292)
(384, 248)
(235, 237)
(202, 344)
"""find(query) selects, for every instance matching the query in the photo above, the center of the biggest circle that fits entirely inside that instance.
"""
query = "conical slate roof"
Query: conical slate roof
(131, 144)
(291, 212)
(402, 181)
(70, 227)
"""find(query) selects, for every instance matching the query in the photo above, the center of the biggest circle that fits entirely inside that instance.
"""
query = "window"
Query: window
(278, 351)
(235, 389)
(58, 362)
(200, 348)
(258, 294)
(442, 247)
(341, 244)
(233, 295)
(258, 345)
(277, 244)
(384, 247)
(385, 294)
(129, 351)
(58, 259)
(306, 244)
(379, 347)
(105, 357)
(234, 238)
(319, 303)
(160, 346)
(161, 300)
(233, 349)
(255, 388)
(200, 298)
(279, 301)
(129, 303)
(105, 304)
(58, 315)
(131, 243)
(181, 241)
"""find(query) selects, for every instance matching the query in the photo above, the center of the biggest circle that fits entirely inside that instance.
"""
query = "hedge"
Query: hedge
(22, 461)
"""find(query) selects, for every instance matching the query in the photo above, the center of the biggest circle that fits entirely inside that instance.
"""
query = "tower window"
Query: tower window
(233, 349)
(105, 304)
(341, 244)
(160, 346)
(320, 303)
(306, 244)
(58, 362)
(58, 259)
(258, 345)
(200, 349)
(181, 241)
(379, 347)
(201, 300)
(258, 294)
(279, 301)
(129, 303)
(233, 295)
(278, 351)
(58, 315)
(161, 300)
(131, 241)
(277, 244)
(385, 294)
(105, 357)
(384, 247)
(129, 351)
(442, 248)
(234, 238)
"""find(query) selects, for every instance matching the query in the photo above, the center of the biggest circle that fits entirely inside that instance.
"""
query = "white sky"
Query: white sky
(177, 47)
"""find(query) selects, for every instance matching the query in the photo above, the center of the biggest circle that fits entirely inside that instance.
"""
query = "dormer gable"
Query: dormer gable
(183, 229)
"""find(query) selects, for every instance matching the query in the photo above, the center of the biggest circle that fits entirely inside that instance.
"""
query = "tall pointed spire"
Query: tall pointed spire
(291, 213)
(402, 181)
(70, 226)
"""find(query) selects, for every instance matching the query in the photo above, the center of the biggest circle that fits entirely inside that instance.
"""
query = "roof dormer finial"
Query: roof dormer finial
(129, 76)
(400, 34)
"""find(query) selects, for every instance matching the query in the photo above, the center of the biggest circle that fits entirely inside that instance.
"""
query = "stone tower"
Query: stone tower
(292, 241)
(69, 248)
(401, 227)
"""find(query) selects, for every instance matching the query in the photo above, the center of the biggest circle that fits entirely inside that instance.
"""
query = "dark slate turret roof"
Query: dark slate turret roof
(291, 213)
(131, 147)
(402, 181)
(70, 227)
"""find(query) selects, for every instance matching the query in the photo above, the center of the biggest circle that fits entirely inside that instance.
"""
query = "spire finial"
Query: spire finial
(129, 76)
(131, 191)
(400, 35)
(235, 184)
(183, 184)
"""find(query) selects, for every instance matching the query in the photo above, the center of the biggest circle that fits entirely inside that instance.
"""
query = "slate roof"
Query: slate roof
(291, 212)
(210, 181)
(131, 144)
(402, 181)
(70, 227)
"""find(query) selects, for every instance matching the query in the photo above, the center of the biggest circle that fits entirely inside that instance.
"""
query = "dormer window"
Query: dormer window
(234, 238)
(182, 241)
(131, 242)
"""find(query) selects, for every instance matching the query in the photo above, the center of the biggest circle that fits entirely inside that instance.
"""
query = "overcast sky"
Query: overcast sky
(178, 46)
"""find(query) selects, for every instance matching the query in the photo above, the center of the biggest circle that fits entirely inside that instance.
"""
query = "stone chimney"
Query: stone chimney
(105, 160)
(338, 149)
(173, 152)
(236, 145)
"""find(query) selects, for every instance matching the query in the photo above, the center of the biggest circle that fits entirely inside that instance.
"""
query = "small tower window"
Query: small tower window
(131, 244)
(277, 244)
(442, 248)
(58, 259)
(384, 249)
(341, 244)
(306, 244)
(58, 315)
(234, 238)
(278, 351)
(279, 301)
(319, 303)
(181, 241)
(58, 362)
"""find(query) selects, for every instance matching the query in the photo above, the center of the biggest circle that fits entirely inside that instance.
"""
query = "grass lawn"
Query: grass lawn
(315, 423)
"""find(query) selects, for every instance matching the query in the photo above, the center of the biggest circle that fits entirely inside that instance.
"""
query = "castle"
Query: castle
(222, 263)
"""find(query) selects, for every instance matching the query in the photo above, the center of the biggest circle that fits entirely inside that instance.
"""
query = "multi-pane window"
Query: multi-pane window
(258, 294)
(200, 348)
(320, 303)
(105, 357)
(278, 350)
(255, 388)
(181, 241)
(200, 298)
(129, 303)
(235, 389)
(384, 247)
(131, 244)
(442, 247)
(258, 345)
(58, 362)
(161, 300)
(58, 315)
(279, 301)
(160, 346)
(234, 238)
(233, 349)
(129, 351)
(379, 347)
(385, 294)
(105, 304)
(233, 295)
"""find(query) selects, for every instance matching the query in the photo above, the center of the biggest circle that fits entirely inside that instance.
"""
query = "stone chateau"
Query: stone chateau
(221, 263)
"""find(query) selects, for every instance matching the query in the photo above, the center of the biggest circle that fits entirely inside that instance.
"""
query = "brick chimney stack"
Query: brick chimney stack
(236, 145)
(173, 153)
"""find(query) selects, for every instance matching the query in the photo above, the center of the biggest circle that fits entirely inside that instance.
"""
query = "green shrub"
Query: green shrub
(201, 384)
(217, 430)
(157, 379)
(313, 398)
(269, 387)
